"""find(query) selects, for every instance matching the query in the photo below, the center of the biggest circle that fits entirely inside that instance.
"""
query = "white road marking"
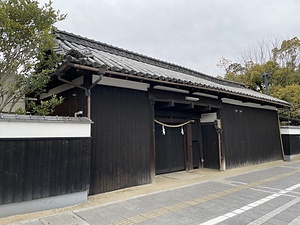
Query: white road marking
(273, 213)
(296, 221)
(255, 204)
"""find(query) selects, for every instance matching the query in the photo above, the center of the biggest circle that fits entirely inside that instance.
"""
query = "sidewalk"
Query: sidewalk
(113, 200)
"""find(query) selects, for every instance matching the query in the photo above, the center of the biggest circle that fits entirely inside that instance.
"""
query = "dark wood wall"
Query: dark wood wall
(210, 146)
(291, 144)
(197, 144)
(170, 150)
(38, 168)
(122, 138)
(250, 135)
(74, 100)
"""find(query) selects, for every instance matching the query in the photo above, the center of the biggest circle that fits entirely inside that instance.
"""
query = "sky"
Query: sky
(192, 33)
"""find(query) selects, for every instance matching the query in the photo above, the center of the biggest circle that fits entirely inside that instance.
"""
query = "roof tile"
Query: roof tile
(116, 59)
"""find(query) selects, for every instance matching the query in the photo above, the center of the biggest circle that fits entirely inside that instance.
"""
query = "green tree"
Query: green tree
(281, 61)
(290, 93)
(26, 31)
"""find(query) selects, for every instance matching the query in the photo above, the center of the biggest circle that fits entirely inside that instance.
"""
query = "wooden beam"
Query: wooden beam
(168, 104)
(206, 108)
(191, 87)
(189, 106)
(165, 96)
(171, 114)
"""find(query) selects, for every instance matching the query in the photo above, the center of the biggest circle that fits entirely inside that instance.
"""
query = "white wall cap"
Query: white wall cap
(293, 130)
(16, 126)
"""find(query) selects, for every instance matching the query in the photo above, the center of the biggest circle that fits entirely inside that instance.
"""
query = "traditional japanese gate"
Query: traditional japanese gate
(179, 140)
(185, 145)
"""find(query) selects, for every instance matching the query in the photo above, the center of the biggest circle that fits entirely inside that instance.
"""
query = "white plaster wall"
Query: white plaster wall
(37, 129)
(25, 126)
(108, 81)
(290, 130)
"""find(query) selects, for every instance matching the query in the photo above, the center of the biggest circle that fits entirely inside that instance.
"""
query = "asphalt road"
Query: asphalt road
(267, 196)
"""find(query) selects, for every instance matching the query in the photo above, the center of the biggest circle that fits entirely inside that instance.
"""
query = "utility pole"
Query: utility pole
(266, 76)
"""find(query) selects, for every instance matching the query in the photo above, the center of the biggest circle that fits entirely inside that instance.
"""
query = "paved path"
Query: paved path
(268, 196)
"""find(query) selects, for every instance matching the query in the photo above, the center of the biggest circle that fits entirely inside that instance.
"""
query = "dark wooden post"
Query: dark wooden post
(222, 161)
(200, 143)
(189, 147)
(153, 149)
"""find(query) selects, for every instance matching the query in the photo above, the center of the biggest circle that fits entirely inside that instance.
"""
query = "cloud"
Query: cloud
(193, 33)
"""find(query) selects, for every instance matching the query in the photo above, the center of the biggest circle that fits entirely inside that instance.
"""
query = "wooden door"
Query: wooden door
(170, 156)
(210, 146)
(196, 144)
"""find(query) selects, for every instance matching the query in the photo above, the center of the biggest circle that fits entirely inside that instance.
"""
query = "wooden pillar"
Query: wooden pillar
(220, 142)
(189, 147)
(200, 144)
(153, 148)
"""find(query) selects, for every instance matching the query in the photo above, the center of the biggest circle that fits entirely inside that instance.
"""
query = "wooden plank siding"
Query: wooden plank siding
(250, 135)
(197, 144)
(170, 150)
(74, 100)
(43, 167)
(122, 138)
(291, 144)
(210, 146)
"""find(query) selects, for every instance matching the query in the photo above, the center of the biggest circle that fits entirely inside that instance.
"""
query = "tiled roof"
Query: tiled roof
(93, 53)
